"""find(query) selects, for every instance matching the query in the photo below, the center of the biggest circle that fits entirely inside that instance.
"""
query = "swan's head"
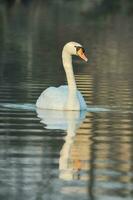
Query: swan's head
(74, 48)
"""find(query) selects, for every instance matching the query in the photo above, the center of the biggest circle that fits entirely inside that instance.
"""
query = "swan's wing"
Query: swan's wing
(56, 98)
(53, 98)
(82, 102)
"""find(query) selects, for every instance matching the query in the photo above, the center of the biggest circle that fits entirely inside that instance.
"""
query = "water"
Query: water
(65, 155)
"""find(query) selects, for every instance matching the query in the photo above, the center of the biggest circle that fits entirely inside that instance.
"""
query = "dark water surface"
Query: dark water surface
(56, 155)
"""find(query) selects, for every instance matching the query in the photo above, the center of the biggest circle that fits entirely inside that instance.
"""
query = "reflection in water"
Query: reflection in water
(61, 120)
(68, 121)
(112, 160)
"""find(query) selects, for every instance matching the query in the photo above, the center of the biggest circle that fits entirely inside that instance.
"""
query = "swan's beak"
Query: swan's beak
(82, 55)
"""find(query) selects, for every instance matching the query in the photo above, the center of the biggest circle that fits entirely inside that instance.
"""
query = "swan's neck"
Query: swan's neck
(67, 63)
(72, 102)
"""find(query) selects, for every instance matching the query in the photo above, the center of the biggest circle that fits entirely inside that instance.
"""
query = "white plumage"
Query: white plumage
(65, 97)
(56, 98)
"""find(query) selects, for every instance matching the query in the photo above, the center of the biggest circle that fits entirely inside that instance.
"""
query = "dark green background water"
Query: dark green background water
(97, 156)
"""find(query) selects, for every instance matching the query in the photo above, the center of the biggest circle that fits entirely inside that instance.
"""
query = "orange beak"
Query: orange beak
(82, 55)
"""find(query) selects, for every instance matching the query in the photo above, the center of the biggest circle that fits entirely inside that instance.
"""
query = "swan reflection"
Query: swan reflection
(69, 121)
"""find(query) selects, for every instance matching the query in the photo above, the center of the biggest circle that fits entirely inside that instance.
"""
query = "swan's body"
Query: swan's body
(59, 97)
(65, 97)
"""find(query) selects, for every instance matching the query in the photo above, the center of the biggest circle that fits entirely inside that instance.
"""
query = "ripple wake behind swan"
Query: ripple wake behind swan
(32, 107)
(23, 106)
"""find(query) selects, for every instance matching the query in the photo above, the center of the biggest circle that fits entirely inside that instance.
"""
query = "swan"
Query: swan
(65, 97)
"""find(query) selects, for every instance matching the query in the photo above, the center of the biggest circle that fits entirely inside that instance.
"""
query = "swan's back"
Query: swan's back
(56, 98)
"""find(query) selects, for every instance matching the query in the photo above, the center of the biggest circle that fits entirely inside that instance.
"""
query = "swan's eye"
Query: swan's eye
(83, 50)
(81, 53)
(80, 49)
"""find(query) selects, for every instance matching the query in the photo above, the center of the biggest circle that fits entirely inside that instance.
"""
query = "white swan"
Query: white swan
(65, 97)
